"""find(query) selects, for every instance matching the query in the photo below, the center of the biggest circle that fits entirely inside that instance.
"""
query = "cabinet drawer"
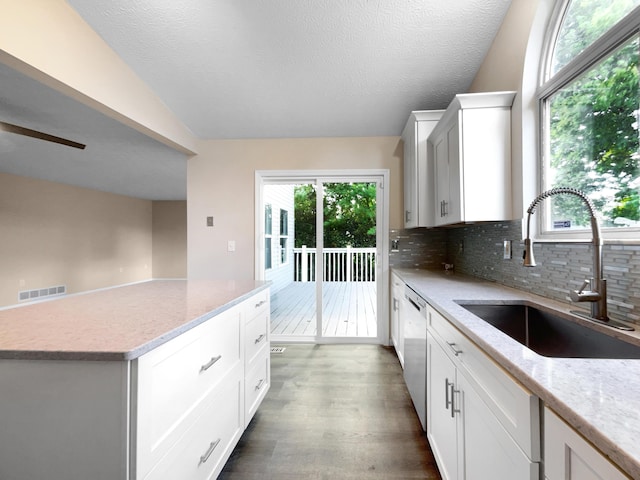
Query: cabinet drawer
(256, 334)
(257, 382)
(258, 304)
(446, 332)
(207, 444)
(516, 408)
(173, 379)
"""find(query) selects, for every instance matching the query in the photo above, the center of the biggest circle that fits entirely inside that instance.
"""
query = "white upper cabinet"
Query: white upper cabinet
(470, 150)
(418, 173)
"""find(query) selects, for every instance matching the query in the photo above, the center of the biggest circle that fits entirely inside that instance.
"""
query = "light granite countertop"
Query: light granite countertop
(600, 398)
(119, 323)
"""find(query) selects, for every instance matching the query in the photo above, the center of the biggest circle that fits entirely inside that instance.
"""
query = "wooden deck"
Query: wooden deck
(349, 310)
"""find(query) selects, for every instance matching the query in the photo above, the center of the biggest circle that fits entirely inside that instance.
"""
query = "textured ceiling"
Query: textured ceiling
(250, 69)
(299, 68)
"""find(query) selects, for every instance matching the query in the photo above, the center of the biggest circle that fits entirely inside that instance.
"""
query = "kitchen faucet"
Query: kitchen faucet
(597, 293)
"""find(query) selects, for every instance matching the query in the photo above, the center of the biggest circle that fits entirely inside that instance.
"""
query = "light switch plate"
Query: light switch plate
(231, 246)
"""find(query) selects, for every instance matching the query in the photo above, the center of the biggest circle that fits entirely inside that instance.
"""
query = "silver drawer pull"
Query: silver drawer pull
(210, 363)
(259, 339)
(262, 302)
(456, 352)
(207, 454)
(259, 385)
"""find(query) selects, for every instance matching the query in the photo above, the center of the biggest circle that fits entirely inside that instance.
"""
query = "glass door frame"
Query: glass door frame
(318, 177)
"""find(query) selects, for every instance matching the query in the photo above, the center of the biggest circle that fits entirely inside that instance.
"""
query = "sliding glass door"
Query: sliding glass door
(320, 249)
(349, 259)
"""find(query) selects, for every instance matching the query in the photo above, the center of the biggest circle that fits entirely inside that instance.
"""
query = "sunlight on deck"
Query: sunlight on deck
(349, 309)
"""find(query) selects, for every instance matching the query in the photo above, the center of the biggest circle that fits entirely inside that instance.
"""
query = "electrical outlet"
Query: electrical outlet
(231, 246)
(506, 250)
(209, 221)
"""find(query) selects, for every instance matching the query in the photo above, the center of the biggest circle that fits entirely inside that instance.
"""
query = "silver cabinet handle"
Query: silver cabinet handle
(262, 302)
(210, 363)
(259, 385)
(259, 339)
(454, 410)
(444, 208)
(447, 401)
(456, 352)
(209, 451)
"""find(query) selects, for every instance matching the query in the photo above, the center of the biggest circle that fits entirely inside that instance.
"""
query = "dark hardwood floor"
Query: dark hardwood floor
(334, 412)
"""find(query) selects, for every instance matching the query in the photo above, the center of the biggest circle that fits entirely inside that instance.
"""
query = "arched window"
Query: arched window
(590, 102)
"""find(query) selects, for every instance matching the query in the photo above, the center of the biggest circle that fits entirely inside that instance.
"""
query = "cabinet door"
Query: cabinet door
(410, 168)
(455, 208)
(402, 311)
(441, 167)
(446, 152)
(489, 451)
(397, 287)
(567, 456)
(442, 414)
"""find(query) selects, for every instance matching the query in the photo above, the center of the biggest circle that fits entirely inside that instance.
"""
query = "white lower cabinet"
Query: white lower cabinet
(489, 451)
(568, 456)
(257, 354)
(397, 326)
(197, 393)
(177, 380)
(200, 454)
(471, 433)
(175, 412)
(445, 423)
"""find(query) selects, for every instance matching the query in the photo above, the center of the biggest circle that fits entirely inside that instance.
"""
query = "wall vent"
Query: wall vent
(41, 293)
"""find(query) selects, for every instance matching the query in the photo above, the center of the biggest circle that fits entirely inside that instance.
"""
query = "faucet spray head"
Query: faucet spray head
(528, 258)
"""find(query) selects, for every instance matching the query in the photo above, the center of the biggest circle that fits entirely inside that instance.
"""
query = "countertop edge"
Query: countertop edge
(156, 342)
(135, 352)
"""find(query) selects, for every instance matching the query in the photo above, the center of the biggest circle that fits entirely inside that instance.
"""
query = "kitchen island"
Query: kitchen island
(598, 398)
(152, 380)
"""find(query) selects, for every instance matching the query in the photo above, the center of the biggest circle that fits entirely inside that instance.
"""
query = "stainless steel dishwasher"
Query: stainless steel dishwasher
(415, 351)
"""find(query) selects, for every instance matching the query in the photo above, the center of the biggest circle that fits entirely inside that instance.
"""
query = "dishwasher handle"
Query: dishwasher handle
(415, 299)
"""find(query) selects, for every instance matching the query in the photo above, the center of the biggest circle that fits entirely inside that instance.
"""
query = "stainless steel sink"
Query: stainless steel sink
(551, 335)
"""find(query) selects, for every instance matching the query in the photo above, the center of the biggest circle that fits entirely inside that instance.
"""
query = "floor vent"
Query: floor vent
(41, 293)
(277, 349)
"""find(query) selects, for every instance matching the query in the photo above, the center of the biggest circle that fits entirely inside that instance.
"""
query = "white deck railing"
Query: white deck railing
(340, 264)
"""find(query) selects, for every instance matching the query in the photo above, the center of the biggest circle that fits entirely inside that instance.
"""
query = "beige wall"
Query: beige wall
(53, 234)
(49, 41)
(169, 239)
(221, 183)
(512, 64)
(503, 65)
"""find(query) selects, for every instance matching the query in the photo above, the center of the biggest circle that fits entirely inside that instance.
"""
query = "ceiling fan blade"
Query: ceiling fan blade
(8, 127)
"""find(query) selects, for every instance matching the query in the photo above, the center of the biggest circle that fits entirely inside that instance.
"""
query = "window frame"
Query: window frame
(284, 235)
(268, 236)
(549, 84)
